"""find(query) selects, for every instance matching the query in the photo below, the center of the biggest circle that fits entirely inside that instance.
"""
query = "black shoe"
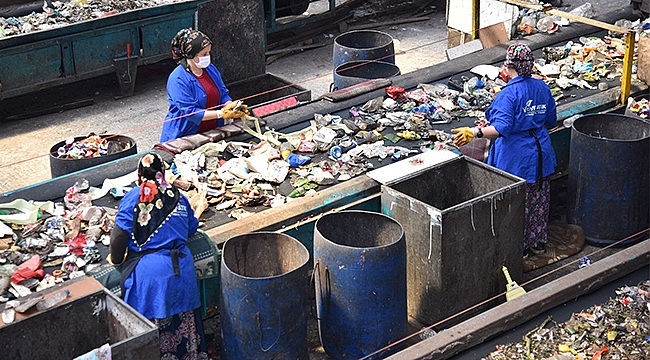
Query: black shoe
(538, 249)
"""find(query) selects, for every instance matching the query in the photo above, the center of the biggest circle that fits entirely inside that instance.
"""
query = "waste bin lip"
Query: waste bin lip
(339, 40)
(55, 147)
(393, 242)
(297, 267)
(578, 126)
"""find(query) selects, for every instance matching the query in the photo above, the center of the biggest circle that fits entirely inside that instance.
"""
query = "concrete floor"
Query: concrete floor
(25, 144)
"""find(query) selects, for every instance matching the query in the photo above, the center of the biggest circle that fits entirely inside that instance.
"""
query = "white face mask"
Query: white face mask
(204, 62)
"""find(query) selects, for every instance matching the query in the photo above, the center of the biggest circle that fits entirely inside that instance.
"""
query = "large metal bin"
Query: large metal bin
(80, 325)
(463, 221)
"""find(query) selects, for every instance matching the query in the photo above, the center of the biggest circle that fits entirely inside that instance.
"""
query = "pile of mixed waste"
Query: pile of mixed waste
(61, 13)
(91, 146)
(618, 329)
(63, 237)
(331, 149)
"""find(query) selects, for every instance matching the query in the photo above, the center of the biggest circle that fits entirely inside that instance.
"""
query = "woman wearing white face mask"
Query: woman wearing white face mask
(195, 89)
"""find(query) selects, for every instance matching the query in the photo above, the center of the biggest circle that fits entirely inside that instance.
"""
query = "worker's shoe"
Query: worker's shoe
(538, 249)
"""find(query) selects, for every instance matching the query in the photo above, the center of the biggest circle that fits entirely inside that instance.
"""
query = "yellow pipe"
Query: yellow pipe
(476, 17)
(626, 77)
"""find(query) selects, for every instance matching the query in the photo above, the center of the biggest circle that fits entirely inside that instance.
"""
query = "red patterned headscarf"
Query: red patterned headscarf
(520, 57)
(157, 201)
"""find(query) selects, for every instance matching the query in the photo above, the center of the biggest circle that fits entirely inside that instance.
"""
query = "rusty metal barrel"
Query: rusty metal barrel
(361, 45)
(609, 173)
(124, 145)
(360, 272)
(264, 297)
(355, 72)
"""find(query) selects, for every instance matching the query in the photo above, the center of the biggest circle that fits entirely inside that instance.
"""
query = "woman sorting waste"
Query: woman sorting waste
(518, 117)
(148, 241)
(198, 98)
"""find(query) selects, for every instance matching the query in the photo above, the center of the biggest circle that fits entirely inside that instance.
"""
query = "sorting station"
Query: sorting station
(433, 230)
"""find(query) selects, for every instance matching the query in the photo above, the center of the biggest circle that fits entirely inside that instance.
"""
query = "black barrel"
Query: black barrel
(61, 166)
(609, 174)
(361, 45)
(355, 72)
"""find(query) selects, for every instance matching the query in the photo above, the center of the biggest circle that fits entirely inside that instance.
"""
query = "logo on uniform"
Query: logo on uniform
(531, 110)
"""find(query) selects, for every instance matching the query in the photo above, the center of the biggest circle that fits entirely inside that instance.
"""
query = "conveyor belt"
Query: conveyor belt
(559, 314)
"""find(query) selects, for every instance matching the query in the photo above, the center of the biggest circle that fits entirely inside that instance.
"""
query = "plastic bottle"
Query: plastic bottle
(568, 122)
(545, 24)
(56, 298)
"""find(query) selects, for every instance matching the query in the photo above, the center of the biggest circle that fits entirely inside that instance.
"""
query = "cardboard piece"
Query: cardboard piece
(493, 35)
(464, 49)
(643, 60)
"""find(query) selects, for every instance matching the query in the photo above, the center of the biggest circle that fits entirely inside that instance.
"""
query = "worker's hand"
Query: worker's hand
(464, 136)
(233, 110)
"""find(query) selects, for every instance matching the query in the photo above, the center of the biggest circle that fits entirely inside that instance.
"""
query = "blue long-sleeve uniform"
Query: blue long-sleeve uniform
(187, 99)
(522, 105)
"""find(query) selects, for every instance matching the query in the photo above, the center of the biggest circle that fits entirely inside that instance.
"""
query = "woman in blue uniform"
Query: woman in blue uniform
(152, 225)
(518, 118)
(198, 98)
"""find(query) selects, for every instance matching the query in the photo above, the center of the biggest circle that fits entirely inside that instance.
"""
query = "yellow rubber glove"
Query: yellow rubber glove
(464, 136)
(233, 110)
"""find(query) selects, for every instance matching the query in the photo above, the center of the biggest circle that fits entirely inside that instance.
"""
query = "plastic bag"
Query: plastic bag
(77, 196)
(32, 268)
(584, 10)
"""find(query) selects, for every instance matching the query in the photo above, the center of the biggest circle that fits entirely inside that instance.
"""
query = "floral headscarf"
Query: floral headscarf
(186, 44)
(157, 201)
(520, 57)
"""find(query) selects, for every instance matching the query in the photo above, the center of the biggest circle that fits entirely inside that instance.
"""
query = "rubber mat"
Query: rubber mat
(564, 240)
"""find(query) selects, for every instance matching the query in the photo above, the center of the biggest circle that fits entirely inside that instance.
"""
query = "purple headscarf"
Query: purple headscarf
(520, 57)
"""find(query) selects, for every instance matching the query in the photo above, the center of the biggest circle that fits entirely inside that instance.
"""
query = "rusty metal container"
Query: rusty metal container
(463, 221)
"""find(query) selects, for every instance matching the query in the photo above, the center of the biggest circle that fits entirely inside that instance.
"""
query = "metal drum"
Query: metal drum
(363, 45)
(608, 178)
(360, 271)
(355, 72)
(62, 166)
(264, 297)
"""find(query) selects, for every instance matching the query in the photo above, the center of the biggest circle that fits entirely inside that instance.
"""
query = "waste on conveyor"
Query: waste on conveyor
(61, 13)
(617, 329)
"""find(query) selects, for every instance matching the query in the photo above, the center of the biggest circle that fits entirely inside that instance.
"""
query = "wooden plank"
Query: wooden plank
(493, 35)
(549, 10)
(388, 23)
(499, 319)
(295, 48)
(643, 61)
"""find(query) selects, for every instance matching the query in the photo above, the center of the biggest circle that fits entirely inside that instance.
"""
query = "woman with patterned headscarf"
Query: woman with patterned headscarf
(148, 242)
(198, 98)
(517, 119)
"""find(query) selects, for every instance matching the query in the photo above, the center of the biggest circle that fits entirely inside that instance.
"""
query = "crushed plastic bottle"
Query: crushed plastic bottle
(54, 299)
(546, 24)
(584, 10)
